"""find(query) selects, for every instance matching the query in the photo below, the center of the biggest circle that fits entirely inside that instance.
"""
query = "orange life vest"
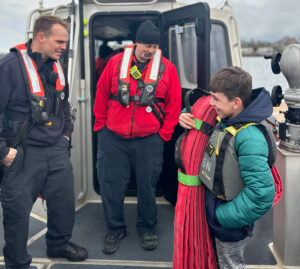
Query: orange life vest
(148, 85)
(35, 86)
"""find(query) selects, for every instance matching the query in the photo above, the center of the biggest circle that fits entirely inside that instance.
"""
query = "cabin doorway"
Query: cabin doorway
(185, 39)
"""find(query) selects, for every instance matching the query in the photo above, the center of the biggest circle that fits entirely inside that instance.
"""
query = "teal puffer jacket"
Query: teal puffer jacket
(257, 196)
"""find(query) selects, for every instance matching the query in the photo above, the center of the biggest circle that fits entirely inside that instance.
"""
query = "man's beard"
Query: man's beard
(147, 55)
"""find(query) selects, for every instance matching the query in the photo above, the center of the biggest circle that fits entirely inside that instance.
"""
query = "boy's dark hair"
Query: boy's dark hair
(233, 82)
(44, 23)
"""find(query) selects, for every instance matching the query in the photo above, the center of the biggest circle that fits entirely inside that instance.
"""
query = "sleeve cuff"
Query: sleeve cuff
(4, 152)
(67, 133)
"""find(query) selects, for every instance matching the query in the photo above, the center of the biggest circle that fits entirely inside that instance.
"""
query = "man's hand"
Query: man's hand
(186, 121)
(68, 138)
(9, 158)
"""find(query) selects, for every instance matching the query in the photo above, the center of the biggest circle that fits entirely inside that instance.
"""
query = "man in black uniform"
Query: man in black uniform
(35, 130)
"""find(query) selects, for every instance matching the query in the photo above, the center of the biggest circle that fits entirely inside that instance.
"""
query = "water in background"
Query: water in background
(261, 72)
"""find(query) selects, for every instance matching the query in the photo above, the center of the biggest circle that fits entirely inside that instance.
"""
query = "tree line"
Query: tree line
(277, 46)
(255, 45)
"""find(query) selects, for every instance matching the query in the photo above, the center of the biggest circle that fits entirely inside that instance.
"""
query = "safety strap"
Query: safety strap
(201, 126)
(231, 132)
(156, 101)
(156, 114)
(160, 108)
(218, 186)
(177, 152)
(188, 179)
(187, 102)
(136, 98)
(271, 157)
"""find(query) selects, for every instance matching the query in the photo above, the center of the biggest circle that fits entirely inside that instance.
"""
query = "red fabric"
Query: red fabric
(134, 121)
(100, 65)
(278, 185)
(193, 246)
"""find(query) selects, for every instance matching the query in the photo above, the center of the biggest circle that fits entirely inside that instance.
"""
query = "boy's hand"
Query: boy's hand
(186, 121)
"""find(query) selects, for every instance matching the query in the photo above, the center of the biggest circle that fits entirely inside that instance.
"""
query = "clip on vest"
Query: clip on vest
(136, 74)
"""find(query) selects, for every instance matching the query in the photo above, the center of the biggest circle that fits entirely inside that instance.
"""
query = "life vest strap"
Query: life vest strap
(136, 98)
(157, 115)
(203, 126)
(189, 180)
(231, 132)
(218, 186)
(156, 100)
(160, 108)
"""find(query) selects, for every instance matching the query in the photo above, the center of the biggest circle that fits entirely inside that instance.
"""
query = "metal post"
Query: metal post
(286, 219)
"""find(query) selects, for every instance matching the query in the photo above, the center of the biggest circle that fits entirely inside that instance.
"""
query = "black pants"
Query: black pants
(118, 157)
(46, 171)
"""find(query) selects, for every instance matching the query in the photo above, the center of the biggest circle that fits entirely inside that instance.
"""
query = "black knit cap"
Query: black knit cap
(147, 33)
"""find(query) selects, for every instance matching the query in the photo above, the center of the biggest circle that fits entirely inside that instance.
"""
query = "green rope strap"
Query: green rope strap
(188, 180)
(198, 123)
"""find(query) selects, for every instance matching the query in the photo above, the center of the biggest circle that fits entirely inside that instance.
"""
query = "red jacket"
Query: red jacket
(134, 121)
(100, 65)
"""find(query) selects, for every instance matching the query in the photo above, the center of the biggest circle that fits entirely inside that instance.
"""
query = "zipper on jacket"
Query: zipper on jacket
(134, 105)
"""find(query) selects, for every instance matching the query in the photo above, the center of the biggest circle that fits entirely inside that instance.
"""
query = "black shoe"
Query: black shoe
(70, 252)
(112, 242)
(149, 241)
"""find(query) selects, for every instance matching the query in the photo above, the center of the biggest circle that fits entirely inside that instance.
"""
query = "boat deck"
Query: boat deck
(89, 231)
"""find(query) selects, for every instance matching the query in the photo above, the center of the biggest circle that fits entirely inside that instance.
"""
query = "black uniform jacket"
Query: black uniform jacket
(14, 97)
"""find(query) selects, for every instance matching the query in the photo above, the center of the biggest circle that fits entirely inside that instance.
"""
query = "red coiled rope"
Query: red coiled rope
(193, 246)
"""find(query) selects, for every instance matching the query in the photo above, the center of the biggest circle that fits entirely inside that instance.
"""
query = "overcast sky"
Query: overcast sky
(265, 20)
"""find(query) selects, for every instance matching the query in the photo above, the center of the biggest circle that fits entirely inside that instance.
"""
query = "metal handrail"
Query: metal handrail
(59, 7)
(125, 4)
(28, 31)
(40, 10)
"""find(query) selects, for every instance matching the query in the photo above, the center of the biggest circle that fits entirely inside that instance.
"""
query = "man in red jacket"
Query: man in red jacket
(137, 106)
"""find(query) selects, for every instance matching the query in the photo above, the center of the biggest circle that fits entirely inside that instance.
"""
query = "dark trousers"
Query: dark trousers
(46, 171)
(118, 158)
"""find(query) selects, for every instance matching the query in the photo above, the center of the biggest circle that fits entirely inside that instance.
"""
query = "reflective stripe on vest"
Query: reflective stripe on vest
(60, 82)
(152, 72)
(126, 63)
(36, 86)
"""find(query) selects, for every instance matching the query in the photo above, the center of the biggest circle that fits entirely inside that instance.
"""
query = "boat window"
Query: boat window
(183, 53)
(218, 48)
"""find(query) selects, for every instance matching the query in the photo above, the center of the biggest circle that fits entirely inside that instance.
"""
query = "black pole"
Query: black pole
(81, 27)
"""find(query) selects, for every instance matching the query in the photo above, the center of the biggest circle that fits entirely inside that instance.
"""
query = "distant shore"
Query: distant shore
(262, 48)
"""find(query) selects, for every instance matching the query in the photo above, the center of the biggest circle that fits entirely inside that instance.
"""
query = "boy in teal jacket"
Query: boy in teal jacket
(239, 108)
